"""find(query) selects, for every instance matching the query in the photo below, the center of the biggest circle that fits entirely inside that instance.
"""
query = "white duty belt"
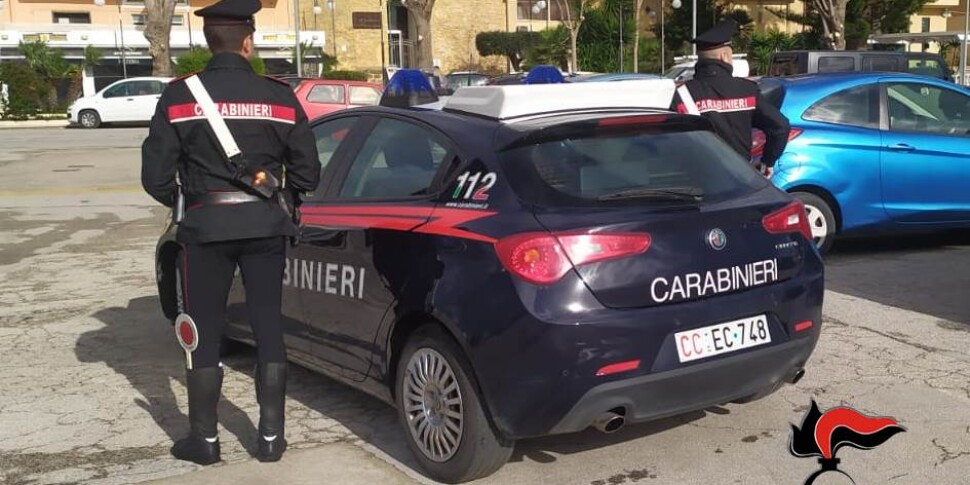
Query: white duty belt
(688, 100)
(212, 115)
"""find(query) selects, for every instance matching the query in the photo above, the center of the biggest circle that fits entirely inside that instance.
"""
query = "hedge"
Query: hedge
(347, 75)
(26, 90)
(196, 59)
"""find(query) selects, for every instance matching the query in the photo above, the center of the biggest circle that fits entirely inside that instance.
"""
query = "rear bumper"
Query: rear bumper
(680, 391)
(537, 366)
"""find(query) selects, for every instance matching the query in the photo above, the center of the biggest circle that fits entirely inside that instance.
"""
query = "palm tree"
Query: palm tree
(92, 55)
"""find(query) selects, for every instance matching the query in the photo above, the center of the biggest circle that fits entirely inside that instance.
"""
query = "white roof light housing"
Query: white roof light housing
(510, 102)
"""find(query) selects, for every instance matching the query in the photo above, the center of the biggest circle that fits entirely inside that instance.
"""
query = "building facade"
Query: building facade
(116, 27)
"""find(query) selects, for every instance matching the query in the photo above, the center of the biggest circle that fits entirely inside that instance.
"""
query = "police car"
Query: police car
(521, 261)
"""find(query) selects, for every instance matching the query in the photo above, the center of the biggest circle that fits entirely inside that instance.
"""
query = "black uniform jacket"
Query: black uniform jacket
(269, 127)
(735, 105)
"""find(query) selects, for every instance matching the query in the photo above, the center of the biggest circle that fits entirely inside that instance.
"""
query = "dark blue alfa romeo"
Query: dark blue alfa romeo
(520, 261)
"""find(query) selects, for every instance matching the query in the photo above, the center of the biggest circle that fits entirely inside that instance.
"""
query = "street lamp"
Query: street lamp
(333, 25)
(121, 34)
(963, 47)
(296, 46)
(677, 4)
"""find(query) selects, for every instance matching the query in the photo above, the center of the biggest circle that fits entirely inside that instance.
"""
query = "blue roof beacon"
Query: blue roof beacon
(408, 88)
(544, 74)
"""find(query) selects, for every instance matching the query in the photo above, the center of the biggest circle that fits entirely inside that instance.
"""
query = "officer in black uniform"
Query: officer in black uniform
(227, 223)
(733, 105)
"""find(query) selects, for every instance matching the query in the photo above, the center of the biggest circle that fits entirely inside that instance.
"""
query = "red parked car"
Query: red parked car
(324, 96)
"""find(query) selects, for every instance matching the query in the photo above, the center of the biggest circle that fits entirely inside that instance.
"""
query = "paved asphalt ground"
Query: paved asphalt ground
(91, 385)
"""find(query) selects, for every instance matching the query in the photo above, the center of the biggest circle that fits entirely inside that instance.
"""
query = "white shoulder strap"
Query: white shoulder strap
(212, 115)
(688, 100)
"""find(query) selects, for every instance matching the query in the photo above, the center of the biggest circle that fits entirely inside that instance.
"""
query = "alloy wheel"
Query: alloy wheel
(88, 119)
(818, 224)
(433, 405)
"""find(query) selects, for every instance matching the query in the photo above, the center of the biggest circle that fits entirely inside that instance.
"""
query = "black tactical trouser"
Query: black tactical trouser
(207, 275)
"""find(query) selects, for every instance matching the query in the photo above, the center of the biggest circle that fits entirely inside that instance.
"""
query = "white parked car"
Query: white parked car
(125, 101)
(683, 69)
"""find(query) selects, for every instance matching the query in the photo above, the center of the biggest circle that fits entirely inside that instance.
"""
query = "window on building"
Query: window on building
(140, 19)
(524, 9)
(72, 18)
(926, 24)
(556, 11)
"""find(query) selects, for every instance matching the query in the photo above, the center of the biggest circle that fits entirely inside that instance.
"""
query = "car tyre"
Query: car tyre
(821, 219)
(441, 412)
(89, 118)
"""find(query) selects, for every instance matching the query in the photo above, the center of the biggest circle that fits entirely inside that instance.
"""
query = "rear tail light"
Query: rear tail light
(791, 218)
(543, 258)
(758, 140)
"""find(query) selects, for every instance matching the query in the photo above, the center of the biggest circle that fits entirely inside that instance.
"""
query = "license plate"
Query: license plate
(722, 338)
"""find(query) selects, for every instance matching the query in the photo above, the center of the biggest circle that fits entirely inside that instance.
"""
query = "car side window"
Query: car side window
(399, 159)
(118, 90)
(836, 64)
(330, 135)
(326, 93)
(144, 88)
(923, 108)
(926, 67)
(856, 106)
(879, 63)
(364, 96)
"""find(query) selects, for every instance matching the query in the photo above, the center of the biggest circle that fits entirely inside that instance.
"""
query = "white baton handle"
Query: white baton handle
(688, 100)
(212, 115)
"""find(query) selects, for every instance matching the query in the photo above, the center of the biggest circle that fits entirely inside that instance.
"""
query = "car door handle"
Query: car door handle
(131, 99)
(902, 147)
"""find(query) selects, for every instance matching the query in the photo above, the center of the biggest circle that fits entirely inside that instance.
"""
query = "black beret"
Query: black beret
(718, 36)
(230, 12)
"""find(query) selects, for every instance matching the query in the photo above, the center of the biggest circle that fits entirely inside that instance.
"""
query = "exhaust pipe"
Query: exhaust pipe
(797, 376)
(609, 422)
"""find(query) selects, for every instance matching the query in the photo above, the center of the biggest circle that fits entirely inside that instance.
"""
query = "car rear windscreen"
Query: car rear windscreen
(643, 166)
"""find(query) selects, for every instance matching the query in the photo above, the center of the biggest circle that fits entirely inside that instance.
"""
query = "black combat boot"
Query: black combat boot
(271, 394)
(202, 444)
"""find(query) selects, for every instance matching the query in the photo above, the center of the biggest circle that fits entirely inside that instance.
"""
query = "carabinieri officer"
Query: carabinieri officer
(733, 105)
(234, 215)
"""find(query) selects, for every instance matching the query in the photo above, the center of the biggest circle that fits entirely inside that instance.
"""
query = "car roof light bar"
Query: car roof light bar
(509, 102)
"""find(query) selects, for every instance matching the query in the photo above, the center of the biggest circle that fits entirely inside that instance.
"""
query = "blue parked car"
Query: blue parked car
(874, 152)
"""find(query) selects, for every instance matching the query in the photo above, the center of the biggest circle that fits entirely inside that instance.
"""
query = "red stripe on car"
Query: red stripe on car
(440, 221)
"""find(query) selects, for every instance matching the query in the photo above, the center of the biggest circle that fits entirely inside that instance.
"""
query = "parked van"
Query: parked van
(790, 63)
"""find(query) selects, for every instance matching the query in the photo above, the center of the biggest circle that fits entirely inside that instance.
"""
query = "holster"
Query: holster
(290, 203)
(263, 182)
(178, 208)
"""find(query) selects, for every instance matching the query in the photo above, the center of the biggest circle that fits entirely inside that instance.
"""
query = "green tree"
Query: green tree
(26, 90)
(599, 41)
(551, 48)
(574, 14)
(196, 58)
(92, 56)
(50, 65)
(512, 45)
(679, 22)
